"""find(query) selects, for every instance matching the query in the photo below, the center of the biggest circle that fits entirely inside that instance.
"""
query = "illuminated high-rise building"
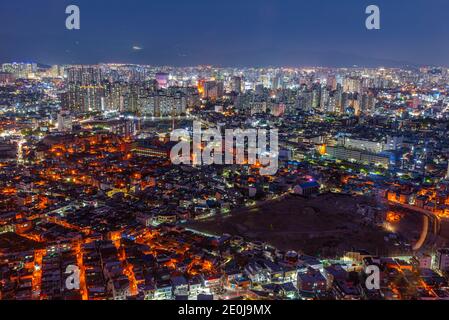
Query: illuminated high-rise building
(163, 104)
(84, 75)
(324, 99)
(200, 86)
(83, 98)
(162, 79)
(236, 85)
(6, 77)
(64, 121)
(352, 85)
(20, 70)
(213, 90)
(316, 96)
(332, 82)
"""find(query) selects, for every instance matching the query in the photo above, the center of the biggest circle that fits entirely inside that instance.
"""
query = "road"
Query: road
(431, 223)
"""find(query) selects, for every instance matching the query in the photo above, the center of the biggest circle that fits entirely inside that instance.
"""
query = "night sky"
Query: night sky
(227, 32)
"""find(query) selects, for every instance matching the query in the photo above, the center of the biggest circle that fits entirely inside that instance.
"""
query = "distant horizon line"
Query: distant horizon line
(226, 67)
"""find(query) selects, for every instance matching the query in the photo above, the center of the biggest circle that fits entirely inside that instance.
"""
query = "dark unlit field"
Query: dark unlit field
(326, 225)
(10, 241)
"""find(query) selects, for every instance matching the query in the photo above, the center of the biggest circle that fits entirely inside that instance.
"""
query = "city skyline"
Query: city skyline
(113, 189)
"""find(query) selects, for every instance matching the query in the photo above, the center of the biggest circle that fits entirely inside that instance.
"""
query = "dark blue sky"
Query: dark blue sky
(226, 32)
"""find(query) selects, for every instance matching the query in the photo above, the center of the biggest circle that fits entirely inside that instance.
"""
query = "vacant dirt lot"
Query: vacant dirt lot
(327, 225)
